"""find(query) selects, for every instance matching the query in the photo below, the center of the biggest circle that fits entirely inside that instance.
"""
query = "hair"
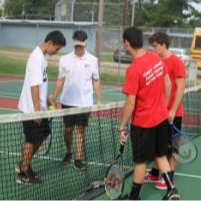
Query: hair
(160, 38)
(80, 35)
(134, 36)
(56, 37)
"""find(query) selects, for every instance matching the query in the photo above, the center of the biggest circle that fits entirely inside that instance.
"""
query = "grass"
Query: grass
(16, 67)
(107, 56)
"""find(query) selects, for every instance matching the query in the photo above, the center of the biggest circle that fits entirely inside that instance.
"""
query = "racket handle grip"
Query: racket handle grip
(121, 148)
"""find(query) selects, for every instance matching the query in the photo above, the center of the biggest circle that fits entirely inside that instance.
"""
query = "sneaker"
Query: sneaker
(127, 197)
(34, 174)
(161, 185)
(17, 167)
(172, 195)
(67, 158)
(151, 178)
(79, 165)
(27, 178)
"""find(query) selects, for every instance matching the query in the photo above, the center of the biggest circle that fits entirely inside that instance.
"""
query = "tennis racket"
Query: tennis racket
(184, 150)
(114, 178)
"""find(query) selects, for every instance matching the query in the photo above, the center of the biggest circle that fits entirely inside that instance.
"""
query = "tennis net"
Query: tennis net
(63, 181)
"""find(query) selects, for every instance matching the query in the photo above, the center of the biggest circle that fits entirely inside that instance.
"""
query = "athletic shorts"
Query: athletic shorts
(76, 119)
(178, 123)
(149, 143)
(35, 132)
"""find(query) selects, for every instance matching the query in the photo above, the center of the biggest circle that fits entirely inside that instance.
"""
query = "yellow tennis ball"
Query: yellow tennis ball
(51, 108)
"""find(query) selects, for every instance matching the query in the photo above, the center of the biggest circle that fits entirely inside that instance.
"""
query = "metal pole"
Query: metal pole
(72, 10)
(100, 30)
(133, 13)
(124, 14)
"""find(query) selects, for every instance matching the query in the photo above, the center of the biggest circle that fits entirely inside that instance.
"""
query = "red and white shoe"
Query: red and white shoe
(151, 179)
(161, 185)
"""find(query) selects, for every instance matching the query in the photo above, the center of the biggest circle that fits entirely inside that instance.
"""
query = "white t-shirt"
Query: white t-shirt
(36, 74)
(78, 73)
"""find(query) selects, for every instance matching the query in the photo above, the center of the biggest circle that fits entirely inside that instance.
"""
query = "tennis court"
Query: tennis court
(101, 144)
(10, 89)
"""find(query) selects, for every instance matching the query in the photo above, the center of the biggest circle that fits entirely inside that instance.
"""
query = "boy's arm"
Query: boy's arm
(35, 97)
(180, 87)
(58, 87)
(167, 88)
(97, 89)
(128, 108)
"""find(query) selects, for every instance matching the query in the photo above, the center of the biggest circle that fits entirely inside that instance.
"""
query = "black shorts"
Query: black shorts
(35, 132)
(178, 123)
(76, 119)
(148, 143)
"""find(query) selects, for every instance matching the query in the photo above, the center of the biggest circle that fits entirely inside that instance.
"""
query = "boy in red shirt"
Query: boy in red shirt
(145, 103)
(176, 71)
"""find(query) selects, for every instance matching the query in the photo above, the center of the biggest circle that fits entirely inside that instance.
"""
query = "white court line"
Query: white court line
(16, 96)
(188, 175)
(3, 108)
(54, 159)
(93, 163)
(108, 90)
(8, 93)
(185, 175)
(11, 81)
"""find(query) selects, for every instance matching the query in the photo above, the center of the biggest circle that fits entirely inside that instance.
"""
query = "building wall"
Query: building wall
(28, 34)
(1, 3)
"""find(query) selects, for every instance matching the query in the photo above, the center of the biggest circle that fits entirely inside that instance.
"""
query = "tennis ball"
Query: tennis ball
(51, 108)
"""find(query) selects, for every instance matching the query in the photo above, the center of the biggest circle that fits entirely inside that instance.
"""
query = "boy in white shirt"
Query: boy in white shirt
(78, 76)
(34, 99)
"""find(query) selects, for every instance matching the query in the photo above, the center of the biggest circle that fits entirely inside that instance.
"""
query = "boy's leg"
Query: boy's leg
(138, 178)
(68, 138)
(143, 148)
(69, 121)
(81, 124)
(27, 154)
(153, 175)
(80, 132)
(162, 141)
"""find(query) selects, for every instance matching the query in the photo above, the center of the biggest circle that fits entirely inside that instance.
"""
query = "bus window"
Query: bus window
(198, 42)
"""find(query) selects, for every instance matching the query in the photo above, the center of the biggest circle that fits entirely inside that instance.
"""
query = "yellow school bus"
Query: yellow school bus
(195, 51)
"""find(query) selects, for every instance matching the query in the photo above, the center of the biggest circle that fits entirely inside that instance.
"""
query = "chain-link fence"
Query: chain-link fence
(112, 57)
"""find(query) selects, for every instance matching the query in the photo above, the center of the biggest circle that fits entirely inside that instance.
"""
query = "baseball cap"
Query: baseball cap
(79, 43)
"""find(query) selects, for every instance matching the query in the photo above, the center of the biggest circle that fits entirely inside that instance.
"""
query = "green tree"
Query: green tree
(167, 13)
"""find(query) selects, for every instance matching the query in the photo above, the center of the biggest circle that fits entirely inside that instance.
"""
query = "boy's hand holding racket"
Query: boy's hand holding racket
(123, 135)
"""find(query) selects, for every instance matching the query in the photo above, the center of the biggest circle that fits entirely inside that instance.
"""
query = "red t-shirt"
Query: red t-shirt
(145, 80)
(176, 69)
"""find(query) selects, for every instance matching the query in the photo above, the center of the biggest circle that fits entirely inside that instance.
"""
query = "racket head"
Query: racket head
(184, 150)
(114, 182)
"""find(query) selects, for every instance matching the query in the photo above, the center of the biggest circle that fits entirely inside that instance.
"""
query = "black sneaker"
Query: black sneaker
(78, 164)
(33, 174)
(18, 167)
(172, 195)
(27, 178)
(67, 158)
(127, 197)
(18, 170)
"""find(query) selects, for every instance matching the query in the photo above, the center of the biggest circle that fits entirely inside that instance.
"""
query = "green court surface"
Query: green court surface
(60, 181)
(63, 181)
(187, 179)
(11, 89)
